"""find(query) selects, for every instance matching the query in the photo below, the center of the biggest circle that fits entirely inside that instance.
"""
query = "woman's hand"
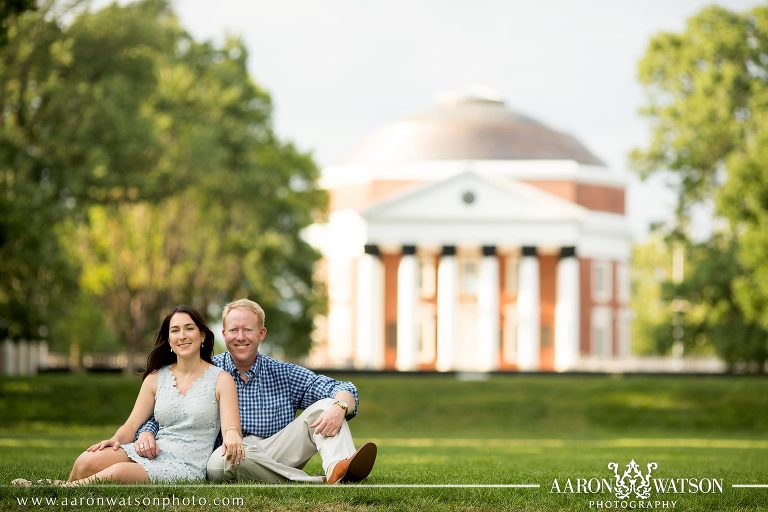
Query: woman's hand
(146, 446)
(232, 448)
(114, 443)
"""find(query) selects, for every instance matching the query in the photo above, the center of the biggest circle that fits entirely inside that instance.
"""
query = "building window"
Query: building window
(622, 276)
(509, 334)
(601, 281)
(468, 276)
(624, 333)
(511, 270)
(601, 342)
(427, 277)
(546, 336)
(427, 333)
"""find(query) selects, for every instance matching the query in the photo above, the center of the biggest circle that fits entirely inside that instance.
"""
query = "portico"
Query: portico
(488, 263)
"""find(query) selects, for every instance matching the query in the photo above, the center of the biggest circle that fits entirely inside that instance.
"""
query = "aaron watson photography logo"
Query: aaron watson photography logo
(634, 488)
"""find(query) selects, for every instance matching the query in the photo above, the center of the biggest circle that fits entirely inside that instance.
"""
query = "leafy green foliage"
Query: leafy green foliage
(81, 326)
(9, 10)
(700, 86)
(651, 323)
(707, 91)
(155, 174)
(712, 315)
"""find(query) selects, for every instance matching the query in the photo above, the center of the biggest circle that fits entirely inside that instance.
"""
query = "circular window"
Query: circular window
(468, 197)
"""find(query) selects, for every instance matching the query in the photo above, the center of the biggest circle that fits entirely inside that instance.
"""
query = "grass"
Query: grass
(434, 430)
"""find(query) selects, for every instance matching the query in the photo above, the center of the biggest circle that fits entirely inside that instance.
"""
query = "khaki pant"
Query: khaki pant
(281, 457)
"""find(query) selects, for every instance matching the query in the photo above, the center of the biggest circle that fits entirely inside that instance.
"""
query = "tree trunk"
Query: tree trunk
(75, 358)
(136, 332)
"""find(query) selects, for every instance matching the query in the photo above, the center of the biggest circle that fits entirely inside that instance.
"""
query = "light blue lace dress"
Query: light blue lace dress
(189, 425)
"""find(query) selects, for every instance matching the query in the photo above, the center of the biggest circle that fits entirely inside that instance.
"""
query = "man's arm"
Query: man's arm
(344, 397)
(344, 407)
(145, 439)
(309, 387)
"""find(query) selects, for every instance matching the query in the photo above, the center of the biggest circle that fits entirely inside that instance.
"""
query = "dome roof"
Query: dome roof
(473, 126)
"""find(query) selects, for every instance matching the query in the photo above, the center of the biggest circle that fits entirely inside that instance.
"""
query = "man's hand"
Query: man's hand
(329, 423)
(146, 446)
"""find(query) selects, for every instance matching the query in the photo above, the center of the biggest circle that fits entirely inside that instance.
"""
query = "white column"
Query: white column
(10, 358)
(340, 311)
(447, 308)
(528, 310)
(488, 310)
(407, 310)
(369, 339)
(567, 324)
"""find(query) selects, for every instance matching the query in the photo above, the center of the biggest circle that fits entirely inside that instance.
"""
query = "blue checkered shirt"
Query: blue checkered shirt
(275, 390)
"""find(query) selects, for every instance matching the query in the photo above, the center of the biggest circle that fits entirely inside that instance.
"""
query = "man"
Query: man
(277, 443)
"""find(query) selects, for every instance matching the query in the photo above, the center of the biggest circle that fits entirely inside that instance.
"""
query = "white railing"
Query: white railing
(23, 357)
(652, 364)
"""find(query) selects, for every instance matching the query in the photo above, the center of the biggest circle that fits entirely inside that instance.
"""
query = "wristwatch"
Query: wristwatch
(343, 405)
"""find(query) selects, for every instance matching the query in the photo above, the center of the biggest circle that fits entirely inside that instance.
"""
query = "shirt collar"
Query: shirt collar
(229, 366)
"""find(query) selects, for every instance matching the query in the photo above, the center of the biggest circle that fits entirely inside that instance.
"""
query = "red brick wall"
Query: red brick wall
(390, 262)
(595, 197)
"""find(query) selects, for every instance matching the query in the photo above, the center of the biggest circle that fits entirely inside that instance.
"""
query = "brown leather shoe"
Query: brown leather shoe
(354, 468)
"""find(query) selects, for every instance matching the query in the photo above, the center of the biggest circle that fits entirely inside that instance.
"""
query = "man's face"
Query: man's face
(242, 334)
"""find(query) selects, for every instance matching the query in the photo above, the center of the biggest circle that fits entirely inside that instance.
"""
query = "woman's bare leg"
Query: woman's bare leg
(90, 463)
(123, 472)
(92, 466)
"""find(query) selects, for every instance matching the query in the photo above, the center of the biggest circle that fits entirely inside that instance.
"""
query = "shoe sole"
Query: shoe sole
(361, 464)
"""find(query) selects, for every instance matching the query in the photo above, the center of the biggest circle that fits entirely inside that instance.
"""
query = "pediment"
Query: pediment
(473, 197)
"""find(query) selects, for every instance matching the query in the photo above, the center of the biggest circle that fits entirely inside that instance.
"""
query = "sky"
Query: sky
(339, 69)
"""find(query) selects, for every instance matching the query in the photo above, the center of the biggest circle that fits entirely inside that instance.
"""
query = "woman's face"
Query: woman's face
(184, 335)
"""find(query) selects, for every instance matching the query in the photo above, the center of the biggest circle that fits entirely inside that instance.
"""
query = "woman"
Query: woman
(190, 398)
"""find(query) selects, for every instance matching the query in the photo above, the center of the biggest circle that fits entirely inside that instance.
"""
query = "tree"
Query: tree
(35, 274)
(141, 259)
(711, 314)
(651, 331)
(699, 86)
(164, 172)
(9, 10)
(707, 103)
(72, 134)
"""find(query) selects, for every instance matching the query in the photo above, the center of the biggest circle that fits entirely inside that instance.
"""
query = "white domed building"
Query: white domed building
(473, 238)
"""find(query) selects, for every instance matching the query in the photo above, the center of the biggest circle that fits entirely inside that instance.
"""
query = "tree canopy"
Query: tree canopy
(707, 91)
(140, 167)
(9, 10)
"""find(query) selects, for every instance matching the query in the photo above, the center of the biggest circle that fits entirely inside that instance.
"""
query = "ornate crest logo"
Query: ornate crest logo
(632, 481)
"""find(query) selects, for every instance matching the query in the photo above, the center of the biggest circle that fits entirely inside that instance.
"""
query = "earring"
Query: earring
(171, 348)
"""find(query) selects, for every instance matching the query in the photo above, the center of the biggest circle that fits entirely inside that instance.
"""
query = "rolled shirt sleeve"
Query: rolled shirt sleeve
(269, 399)
(310, 387)
(151, 425)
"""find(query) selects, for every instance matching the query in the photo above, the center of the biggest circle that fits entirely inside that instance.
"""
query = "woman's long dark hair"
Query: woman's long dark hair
(162, 355)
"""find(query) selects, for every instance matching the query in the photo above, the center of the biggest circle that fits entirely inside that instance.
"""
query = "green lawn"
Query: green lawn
(436, 430)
